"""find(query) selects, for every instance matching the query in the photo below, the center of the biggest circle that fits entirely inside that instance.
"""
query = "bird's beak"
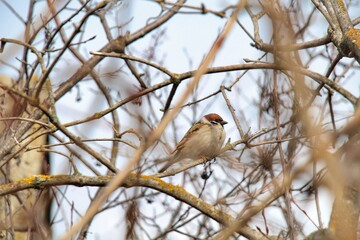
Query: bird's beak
(223, 122)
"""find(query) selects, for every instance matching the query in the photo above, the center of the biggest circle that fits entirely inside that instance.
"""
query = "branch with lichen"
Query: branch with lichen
(132, 180)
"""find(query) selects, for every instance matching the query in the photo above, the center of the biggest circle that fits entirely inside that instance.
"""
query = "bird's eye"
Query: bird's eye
(214, 122)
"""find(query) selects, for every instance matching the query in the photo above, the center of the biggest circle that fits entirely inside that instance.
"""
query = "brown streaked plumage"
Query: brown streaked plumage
(203, 140)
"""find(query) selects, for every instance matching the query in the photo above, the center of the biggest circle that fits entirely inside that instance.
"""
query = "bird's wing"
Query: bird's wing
(194, 128)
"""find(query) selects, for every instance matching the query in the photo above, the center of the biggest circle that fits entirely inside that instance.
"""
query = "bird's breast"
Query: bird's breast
(207, 142)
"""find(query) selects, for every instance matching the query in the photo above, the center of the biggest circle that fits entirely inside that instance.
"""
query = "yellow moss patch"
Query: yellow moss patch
(34, 178)
(27, 180)
(144, 176)
(43, 176)
(169, 187)
(341, 4)
(354, 35)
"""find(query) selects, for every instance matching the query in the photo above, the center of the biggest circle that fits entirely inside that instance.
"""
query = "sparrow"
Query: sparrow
(203, 140)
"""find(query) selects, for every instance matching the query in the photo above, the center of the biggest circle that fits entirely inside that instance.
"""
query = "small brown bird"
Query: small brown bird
(203, 140)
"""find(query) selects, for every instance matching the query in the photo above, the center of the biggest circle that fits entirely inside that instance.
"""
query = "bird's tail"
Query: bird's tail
(169, 161)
